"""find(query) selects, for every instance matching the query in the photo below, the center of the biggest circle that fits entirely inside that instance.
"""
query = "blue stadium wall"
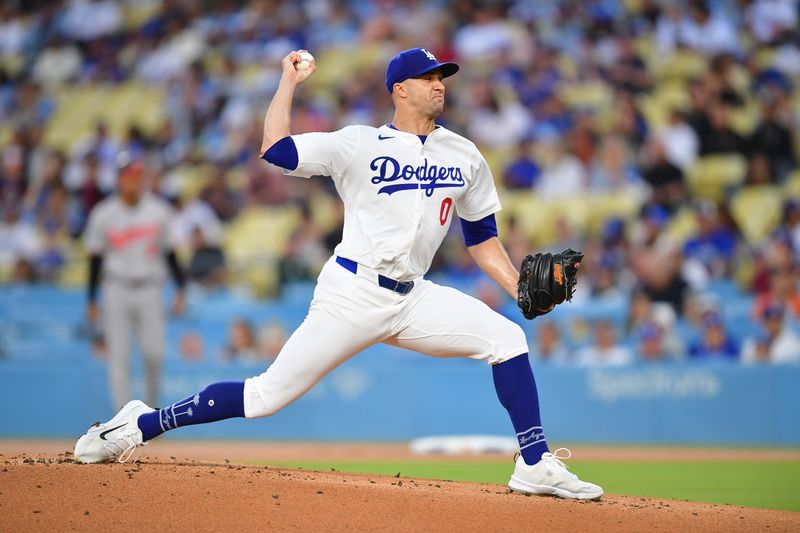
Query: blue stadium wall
(388, 394)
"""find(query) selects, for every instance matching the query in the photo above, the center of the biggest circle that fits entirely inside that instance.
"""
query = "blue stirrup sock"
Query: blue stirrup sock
(218, 401)
(516, 390)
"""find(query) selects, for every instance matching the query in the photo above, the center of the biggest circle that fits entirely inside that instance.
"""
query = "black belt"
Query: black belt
(403, 287)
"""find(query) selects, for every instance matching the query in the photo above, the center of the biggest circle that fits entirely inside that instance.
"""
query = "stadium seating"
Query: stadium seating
(713, 176)
(757, 211)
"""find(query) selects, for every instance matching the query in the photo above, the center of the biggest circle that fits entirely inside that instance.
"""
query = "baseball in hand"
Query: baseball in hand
(305, 61)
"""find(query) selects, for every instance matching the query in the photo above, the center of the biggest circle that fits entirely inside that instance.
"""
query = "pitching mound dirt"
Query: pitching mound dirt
(52, 493)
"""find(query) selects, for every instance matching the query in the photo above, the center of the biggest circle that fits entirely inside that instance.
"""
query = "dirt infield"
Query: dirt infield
(46, 490)
(266, 451)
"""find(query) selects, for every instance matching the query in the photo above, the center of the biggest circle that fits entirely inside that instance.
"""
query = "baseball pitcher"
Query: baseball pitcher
(402, 184)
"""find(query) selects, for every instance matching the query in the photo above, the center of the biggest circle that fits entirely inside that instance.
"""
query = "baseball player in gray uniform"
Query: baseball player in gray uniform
(401, 184)
(126, 238)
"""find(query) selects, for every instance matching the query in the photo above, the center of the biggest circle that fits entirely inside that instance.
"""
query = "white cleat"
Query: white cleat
(114, 440)
(550, 476)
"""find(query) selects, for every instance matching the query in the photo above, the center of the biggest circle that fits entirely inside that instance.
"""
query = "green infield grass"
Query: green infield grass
(766, 484)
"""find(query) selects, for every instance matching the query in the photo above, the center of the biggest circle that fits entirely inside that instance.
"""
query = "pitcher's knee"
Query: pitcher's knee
(263, 398)
(512, 342)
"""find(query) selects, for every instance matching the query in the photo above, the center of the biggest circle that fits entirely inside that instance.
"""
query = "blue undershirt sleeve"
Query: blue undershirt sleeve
(480, 230)
(283, 154)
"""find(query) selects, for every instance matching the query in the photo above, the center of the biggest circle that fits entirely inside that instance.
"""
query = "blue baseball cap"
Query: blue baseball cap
(412, 63)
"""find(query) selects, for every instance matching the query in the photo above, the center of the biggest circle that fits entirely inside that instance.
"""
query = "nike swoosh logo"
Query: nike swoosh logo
(382, 138)
(106, 432)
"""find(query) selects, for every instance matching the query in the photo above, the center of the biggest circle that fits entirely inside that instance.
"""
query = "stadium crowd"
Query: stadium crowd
(660, 137)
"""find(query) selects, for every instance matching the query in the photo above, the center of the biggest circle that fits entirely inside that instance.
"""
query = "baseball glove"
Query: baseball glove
(546, 280)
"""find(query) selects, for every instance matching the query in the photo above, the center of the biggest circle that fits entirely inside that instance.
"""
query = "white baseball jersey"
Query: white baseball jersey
(131, 239)
(399, 193)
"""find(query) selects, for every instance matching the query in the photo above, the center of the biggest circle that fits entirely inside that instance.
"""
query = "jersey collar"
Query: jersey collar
(389, 129)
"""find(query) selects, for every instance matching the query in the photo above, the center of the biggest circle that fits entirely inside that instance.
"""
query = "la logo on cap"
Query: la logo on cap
(430, 55)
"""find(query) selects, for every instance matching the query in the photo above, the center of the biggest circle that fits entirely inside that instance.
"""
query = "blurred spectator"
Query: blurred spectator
(47, 174)
(24, 273)
(51, 259)
(305, 254)
(490, 293)
(271, 338)
(191, 346)
(655, 260)
(548, 344)
(679, 141)
(582, 138)
(696, 306)
(105, 17)
(662, 278)
(29, 106)
(628, 120)
(783, 290)
(772, 256)
(711, 251)
(700, 101)
(57, 212)
(759, 171)
(94, 159)
(716, 134)
(714, 342)
(207, 264)
(650, 346)
(774, 139)
(720, 81)
(496, 120)
(89, 195)
(13, 182)
(19, 239)
(486, 36)
(776, 344)
(699, 29)
(523, 172)
(640, 311)
(791, 223)
(787, 56)
(565, 235)
(563, 175)
(12, 32)
(241, 344)
(666, 318)
(515, 241)
(770, 20)
(220, 196)
(266, 185)
(59, 63)
(604, 350)
(612, 170)
(665, 178)
(605, 282)
(192, 216)
(627, 69)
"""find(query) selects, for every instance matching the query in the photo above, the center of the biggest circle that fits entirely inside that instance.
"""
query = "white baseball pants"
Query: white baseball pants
(350, 312)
